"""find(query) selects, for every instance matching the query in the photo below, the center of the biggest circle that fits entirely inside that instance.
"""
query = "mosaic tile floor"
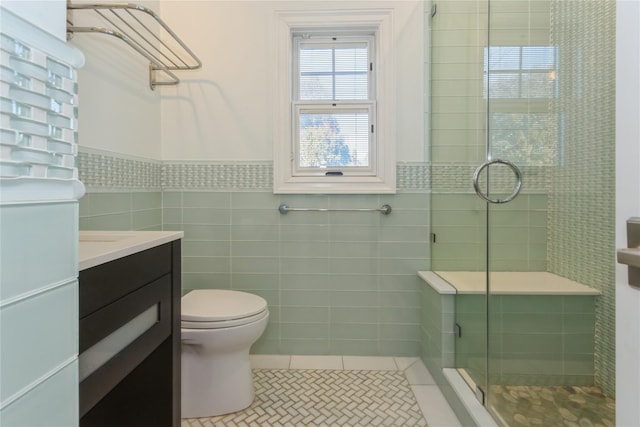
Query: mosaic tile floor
(301, 397)
(553, 406)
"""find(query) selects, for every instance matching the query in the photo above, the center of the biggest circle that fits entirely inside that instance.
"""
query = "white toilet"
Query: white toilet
(218, 329)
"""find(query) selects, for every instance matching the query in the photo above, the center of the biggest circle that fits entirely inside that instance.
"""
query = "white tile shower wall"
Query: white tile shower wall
(39, 219)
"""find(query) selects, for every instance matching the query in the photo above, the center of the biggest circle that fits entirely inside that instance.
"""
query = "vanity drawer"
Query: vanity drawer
(115, 339)
(105, 283)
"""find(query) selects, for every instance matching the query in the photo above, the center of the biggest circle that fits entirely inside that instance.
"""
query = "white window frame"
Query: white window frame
(382, 177)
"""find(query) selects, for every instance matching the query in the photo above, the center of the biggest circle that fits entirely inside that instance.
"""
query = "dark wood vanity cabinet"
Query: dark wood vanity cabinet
(139, 385)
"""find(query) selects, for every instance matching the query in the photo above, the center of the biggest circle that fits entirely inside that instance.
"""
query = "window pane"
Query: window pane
(338, 72)
(334, 140)
(351, 86)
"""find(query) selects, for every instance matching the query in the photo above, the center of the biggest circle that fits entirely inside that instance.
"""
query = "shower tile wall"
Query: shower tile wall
(336, 283)
(581, 201)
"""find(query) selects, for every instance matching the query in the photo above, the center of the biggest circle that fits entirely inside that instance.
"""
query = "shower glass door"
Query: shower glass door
(520, 88)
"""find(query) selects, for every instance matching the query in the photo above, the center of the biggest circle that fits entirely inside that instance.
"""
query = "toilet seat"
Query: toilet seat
(221, 308)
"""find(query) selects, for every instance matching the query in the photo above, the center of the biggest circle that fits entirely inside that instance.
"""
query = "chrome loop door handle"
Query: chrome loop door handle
(514, 168)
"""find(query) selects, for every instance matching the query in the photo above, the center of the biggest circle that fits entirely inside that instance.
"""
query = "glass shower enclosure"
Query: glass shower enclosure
(522, 140)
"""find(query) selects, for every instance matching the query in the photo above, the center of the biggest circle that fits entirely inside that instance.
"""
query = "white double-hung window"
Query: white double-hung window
(334, 105)
(329, 135)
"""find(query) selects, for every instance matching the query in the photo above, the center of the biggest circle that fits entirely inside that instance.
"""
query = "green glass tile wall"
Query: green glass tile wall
(121, 211)
(534, 340)
(581, 200)
(336, 282)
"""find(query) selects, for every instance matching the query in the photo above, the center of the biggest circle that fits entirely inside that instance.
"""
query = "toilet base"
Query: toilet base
(225, 387)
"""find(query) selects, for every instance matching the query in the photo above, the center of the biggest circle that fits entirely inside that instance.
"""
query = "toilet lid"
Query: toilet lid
(211, 305)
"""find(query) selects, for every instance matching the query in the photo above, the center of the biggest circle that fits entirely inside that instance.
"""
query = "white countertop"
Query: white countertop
(505, 283)
(98, 247)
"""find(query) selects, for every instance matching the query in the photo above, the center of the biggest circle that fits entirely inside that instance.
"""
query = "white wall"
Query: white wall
(49, 15)
(118, 111)
(224, 111)
(627, 205)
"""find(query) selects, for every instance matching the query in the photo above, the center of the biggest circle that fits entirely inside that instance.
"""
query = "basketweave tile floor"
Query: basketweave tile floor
(344, 391)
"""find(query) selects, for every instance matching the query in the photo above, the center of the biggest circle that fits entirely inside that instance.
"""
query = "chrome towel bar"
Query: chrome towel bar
(384, 209)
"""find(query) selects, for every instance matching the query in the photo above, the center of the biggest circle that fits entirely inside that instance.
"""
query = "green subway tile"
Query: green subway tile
(249, 200)
(441, 251)
(353, 201)
(118, 221)
(353, 233)
(402, 283)
(460, 234)
(407, 217)
(531, 304)
(399, 299)
(304, 265)
(578, 304)
(272, 331)
(146, 219)
(146, 200)
(406, 201)
(471, 322)
(352, 282)
(304, 346)
(533, 343)
(205, 199)
(304, 330)
(403, 234)
(406, 266)
(254, 232)
(454, 218)
(304, 314)
(532, 323)
(172, 199)
(343, 331)
(83, 205)
(172, 215)
(538, 201)
(304, 281)
(354, 315)
(538, 219)
(357, 266)
(357, 218)
(508, 219)
(403, 250)
(304, 298)
(578, 364)
(509, 235)
(579, 343)
(305, 201)
(353, 299)
(204, 248)
(83, 224)
(542, 364)
(254, 264)
(319, 233)
(255, 217)
(206, 216)
(403, 315)
(252, 281)
(538, 235)
(206, 232)
(509, 251)
(408, 332)
(399, 348)
(271, 296)
(107, 203)
(253, 249)
(206, 264)
(206, 280)
(264, 346)
(353, 347)
(304, 249)
(352, 249)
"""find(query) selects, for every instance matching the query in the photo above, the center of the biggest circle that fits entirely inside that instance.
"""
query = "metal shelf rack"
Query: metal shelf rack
(140, 28)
